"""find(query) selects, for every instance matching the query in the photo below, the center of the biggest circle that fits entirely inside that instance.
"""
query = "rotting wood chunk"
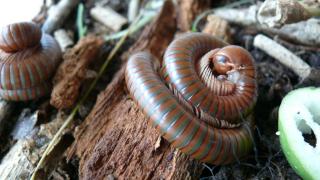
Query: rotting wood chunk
(72, 71)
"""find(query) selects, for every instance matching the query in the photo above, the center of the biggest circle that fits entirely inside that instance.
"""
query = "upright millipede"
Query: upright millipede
(28, 59)
(201, 98)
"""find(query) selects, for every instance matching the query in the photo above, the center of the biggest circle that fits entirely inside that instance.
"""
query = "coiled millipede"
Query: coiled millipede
(206, 114)
(28, 59)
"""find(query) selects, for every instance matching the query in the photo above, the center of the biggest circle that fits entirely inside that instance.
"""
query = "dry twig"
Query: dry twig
(57, 14)
(283, 55)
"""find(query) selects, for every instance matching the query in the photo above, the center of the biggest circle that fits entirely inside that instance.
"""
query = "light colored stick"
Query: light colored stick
(108, 17)
(63, 39)
(57, 14)
(283, 55)
(246, 16)
(133, 9)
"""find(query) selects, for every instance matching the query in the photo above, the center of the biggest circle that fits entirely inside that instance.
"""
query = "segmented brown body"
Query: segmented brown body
(212, 93)
(28, 59)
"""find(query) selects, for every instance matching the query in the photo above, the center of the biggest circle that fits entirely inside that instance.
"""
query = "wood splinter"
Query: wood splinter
(57, 14)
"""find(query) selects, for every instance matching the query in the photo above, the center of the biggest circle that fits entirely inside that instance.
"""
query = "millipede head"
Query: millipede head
(231, 58)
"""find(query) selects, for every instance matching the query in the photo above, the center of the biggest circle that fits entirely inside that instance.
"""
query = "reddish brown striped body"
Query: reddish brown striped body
(28, 59)
(13, 37)
(206, 114)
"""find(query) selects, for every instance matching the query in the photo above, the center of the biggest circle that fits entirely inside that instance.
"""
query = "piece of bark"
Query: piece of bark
(218, 27)
(116, 140)
(21, 160)
(188, 11)
(72, 71)
(57, 14)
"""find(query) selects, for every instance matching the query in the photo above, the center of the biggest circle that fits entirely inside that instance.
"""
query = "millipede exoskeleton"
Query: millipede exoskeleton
(28, 58)
(201, 98)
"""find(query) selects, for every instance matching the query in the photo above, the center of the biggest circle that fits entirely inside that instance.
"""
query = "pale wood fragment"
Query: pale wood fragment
(63, 39)
(283, 55)
(244, 16)
(304, 32)
(276, 13)
(133, 9)
(108, 17)
(57, 15)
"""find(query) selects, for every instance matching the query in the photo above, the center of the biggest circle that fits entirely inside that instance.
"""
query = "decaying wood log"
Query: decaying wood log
(73, 70)
(116, 140)
(188, 10)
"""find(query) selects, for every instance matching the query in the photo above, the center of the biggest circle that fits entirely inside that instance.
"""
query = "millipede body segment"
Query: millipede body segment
(201, 98)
